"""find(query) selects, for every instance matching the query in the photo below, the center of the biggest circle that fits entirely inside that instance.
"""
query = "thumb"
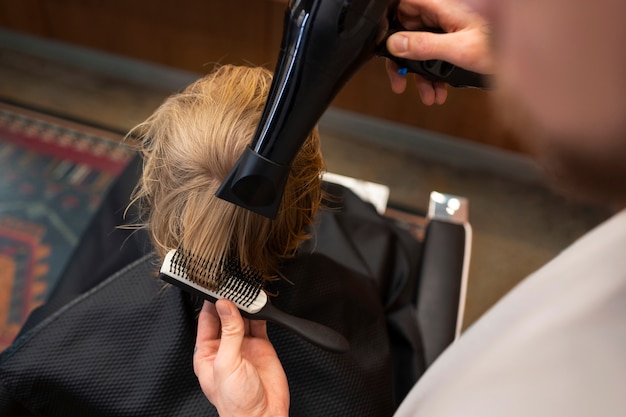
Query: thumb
(229, 352)
(418, 45)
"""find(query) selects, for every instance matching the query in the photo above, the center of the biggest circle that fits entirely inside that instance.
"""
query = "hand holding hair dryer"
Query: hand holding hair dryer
(324, 44)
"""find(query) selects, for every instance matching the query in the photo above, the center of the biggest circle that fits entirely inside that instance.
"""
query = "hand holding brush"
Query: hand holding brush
(236, 365)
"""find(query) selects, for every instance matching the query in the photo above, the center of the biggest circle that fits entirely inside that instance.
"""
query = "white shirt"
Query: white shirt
(554, 346)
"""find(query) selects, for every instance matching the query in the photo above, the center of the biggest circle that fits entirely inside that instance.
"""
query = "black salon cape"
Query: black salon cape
(124, 348)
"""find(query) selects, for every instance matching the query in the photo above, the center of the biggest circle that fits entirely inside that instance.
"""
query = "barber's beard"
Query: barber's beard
(593, 174)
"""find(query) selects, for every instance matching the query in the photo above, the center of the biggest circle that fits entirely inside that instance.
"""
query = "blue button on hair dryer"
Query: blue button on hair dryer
(324, 43)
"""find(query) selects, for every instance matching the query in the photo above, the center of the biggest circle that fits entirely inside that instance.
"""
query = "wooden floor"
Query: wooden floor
(518, 225)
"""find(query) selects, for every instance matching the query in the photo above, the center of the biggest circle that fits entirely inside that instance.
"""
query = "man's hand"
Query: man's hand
(465, 44)
(236, 364)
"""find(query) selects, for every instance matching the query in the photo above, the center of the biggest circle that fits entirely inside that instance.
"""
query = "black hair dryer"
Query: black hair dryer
(324, 43)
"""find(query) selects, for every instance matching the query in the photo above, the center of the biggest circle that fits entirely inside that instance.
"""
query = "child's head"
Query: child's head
(189, 145)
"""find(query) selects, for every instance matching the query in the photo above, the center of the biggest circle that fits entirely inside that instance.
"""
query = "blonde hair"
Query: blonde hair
(189, 145)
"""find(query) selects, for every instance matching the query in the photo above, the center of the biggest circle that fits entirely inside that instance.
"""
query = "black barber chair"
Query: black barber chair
(112, 340)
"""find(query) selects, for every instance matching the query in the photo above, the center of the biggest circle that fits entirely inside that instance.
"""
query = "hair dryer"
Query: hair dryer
(324, 43)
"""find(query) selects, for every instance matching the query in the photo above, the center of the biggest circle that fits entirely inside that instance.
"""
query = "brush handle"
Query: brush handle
(318, 334)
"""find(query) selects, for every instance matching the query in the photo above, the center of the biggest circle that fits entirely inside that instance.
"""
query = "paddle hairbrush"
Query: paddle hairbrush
(242, 286)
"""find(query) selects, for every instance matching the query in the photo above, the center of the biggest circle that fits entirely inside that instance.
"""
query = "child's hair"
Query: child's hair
(189, 145)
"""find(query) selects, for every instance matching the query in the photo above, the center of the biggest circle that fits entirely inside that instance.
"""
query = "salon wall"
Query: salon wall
(195, 34)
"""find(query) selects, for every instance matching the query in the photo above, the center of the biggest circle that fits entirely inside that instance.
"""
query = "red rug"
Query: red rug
(53, 174)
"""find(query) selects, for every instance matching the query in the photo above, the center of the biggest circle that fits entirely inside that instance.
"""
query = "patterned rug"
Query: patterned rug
(53, 174)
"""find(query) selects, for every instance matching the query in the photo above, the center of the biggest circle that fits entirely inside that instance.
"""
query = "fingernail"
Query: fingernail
(223, 309)
(399, 43)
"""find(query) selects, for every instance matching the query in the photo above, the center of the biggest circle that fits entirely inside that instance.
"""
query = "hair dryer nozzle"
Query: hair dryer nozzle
(255, 183)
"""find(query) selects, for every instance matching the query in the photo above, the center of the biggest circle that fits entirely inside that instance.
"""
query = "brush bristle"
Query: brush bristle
(227, 279)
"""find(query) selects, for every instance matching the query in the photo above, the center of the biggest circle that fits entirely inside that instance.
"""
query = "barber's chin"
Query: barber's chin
(578, 168)
(584, 179)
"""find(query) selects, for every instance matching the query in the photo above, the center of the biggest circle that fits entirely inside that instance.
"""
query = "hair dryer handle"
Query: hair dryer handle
(435, 70)
(442, 71)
